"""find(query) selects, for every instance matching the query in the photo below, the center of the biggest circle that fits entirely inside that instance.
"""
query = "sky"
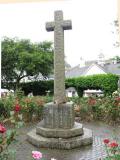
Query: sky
(92, 26)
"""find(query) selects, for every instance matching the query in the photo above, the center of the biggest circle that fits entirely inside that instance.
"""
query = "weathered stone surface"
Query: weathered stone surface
(58, 26)
(76, 130)
(58, 115)
(60, 143)
(58, 129)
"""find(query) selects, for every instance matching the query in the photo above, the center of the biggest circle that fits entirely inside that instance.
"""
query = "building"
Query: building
(99, 66)
(94, 67)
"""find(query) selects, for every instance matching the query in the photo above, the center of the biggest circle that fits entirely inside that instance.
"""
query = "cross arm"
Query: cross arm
(50, 26)
(67, 24)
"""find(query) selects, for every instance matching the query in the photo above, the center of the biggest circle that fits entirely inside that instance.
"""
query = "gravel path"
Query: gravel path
(94, 152)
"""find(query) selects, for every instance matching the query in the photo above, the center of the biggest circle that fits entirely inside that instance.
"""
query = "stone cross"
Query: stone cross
(58, 26)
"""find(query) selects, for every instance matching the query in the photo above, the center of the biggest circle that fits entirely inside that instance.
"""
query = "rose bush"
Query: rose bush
(7, 136)
(30, 107)
(92, 108)
(105, 109)
(112, 149)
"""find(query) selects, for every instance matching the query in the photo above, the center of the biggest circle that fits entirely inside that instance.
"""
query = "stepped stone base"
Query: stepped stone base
(59, 132)
(58, 129)
(60, 143)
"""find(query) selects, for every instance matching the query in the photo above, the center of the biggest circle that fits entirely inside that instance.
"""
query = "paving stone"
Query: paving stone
(91, 152)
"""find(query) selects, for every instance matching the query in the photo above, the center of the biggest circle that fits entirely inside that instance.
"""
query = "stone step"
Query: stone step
(60, 143)
(59, 132)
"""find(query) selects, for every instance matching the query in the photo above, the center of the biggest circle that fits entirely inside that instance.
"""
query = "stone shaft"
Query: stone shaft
(59, 69)
(59, 64)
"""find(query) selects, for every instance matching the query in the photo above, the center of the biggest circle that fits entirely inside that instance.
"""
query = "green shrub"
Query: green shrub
(37, 87)
(106, 82)
(6, 105)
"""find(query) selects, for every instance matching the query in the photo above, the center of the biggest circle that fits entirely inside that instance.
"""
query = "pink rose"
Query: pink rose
(36, 155)
(2, 129)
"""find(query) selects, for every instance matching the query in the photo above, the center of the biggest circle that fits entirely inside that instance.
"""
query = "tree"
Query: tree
(116, 58)
(22, 58)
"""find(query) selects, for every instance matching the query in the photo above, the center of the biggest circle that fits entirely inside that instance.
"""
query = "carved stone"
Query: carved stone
(76, 130)
(60, 143)
(58, 26)
(58, 115)
(58, 128)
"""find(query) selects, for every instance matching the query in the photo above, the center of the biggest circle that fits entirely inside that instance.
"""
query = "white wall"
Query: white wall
(94, 69)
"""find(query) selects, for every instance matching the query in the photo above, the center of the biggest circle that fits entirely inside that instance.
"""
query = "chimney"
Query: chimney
(101, 59)
(82, 62)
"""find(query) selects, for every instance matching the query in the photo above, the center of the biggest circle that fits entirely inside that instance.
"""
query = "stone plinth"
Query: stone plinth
(58, 115)
(76, 130)
(58, 129)
(60, 143)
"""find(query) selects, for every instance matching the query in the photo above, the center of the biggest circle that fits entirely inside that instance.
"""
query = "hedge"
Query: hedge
(105, 82)
(38, 87)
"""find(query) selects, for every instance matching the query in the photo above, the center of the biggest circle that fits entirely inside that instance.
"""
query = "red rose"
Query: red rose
(113, 145)
(92, 102)
(17, 108)
(106, 141)
(117, 99)
(2, 129)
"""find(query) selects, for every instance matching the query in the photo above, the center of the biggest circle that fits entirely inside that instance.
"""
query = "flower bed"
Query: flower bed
(30, 107)
(105, 109)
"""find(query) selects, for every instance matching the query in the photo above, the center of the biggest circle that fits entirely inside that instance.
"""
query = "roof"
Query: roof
(93, 91)
(80, 71)
(95, 64)
(76, 71)
(71, 89)
(112, 68)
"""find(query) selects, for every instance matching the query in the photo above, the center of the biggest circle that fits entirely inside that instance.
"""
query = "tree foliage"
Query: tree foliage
(116, 58)
(22, 58)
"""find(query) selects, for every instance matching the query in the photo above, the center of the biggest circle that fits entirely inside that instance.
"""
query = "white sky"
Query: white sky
(91, 25)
